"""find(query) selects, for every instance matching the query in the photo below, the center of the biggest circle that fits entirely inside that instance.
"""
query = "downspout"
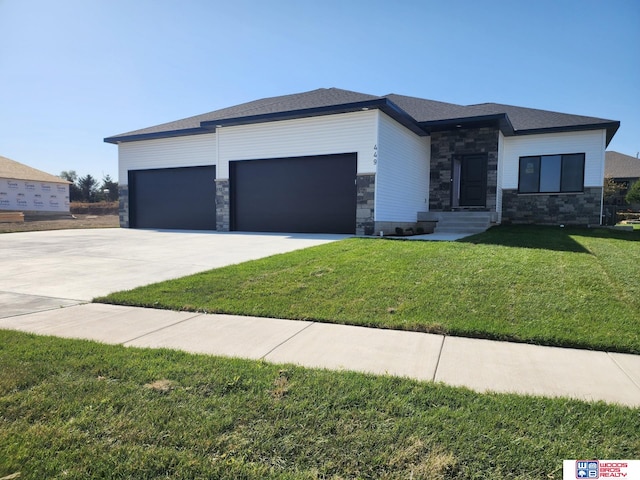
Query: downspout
(376, 153)
(602, 162)
(218, 128)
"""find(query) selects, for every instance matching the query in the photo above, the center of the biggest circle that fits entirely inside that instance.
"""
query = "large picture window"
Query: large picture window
(551, 173)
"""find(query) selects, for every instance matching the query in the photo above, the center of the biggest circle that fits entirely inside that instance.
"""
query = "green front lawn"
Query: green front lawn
(545, 285)
(636, 226)
(76, 410)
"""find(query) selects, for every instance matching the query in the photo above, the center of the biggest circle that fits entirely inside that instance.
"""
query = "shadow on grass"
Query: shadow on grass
(546, 237)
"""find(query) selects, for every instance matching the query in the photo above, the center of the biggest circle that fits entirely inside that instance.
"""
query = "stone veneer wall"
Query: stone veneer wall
(444, 146)
(552, 209)
(223, 209)
(365, 203)
(123, 205)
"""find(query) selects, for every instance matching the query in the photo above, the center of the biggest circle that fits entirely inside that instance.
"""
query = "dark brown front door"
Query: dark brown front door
(473, 180)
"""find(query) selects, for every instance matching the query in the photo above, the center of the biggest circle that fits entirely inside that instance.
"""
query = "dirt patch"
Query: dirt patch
(63, 223)
(96, 208)
(162, 386)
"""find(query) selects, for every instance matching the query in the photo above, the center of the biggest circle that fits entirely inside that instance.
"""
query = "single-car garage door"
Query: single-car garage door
(302, 195)
(173, 198)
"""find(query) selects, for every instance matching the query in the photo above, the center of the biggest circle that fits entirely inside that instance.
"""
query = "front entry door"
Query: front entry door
(473, 180)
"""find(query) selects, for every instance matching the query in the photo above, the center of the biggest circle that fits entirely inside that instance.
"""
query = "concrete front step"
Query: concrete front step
(469, 214)
(460, 230)
(471, 223)
(459, 222)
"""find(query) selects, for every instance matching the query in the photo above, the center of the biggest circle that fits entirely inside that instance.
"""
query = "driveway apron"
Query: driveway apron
(52, 269)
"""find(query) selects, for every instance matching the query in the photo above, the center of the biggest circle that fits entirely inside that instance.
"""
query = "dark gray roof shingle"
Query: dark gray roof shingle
(418, 111)
(322, 97)
(423, 110)
(619, 165)
(533, 119)
(521, 118)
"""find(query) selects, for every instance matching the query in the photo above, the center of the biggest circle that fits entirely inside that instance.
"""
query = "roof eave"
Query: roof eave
(402, 117)
(40, 180)
(116, 139)
(501, 120)
(611, 131)
(610, 127)
(210, 126)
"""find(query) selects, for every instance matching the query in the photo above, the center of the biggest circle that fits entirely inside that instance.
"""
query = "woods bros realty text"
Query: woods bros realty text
(576, 469)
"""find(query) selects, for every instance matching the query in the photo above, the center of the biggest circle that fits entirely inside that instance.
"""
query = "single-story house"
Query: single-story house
(622, 169)
(337, 161)
(28, 190)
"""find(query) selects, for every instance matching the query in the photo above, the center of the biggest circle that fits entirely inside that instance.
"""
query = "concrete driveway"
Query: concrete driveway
(44, 270)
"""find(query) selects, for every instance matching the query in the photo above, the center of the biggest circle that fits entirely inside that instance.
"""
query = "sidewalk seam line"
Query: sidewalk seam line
(45, 296)
(286, 340)
(33, 312)
(624, 371)
(435, 370)
(160, 329)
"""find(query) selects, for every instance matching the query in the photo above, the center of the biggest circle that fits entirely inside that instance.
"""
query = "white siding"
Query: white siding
(402, 179)
(188, 151)
(592, 143)
(324, 135)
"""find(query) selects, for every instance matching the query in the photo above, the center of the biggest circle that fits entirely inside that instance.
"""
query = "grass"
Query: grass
(636, 226)
(543, 285)
(77, 409)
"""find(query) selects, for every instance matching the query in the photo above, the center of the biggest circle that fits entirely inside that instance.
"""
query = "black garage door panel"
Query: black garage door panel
(173, 198)
(303, 194)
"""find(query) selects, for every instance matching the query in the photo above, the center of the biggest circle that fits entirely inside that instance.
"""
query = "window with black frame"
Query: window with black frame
(551, 173)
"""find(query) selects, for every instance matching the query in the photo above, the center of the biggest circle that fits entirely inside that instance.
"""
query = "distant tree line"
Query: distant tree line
(88, 189)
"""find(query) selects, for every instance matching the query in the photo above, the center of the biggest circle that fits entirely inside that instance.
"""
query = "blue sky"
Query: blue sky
(75, 71)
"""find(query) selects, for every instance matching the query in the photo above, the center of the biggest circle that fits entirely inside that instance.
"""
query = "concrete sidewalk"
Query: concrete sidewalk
(481, 365)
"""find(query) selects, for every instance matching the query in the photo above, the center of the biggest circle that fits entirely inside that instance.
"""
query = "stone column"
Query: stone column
(365, 196)
(223, 211)
(123, 205)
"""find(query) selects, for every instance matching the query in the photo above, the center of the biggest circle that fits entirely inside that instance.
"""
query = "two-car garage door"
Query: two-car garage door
(297, 195)
(303, 194)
